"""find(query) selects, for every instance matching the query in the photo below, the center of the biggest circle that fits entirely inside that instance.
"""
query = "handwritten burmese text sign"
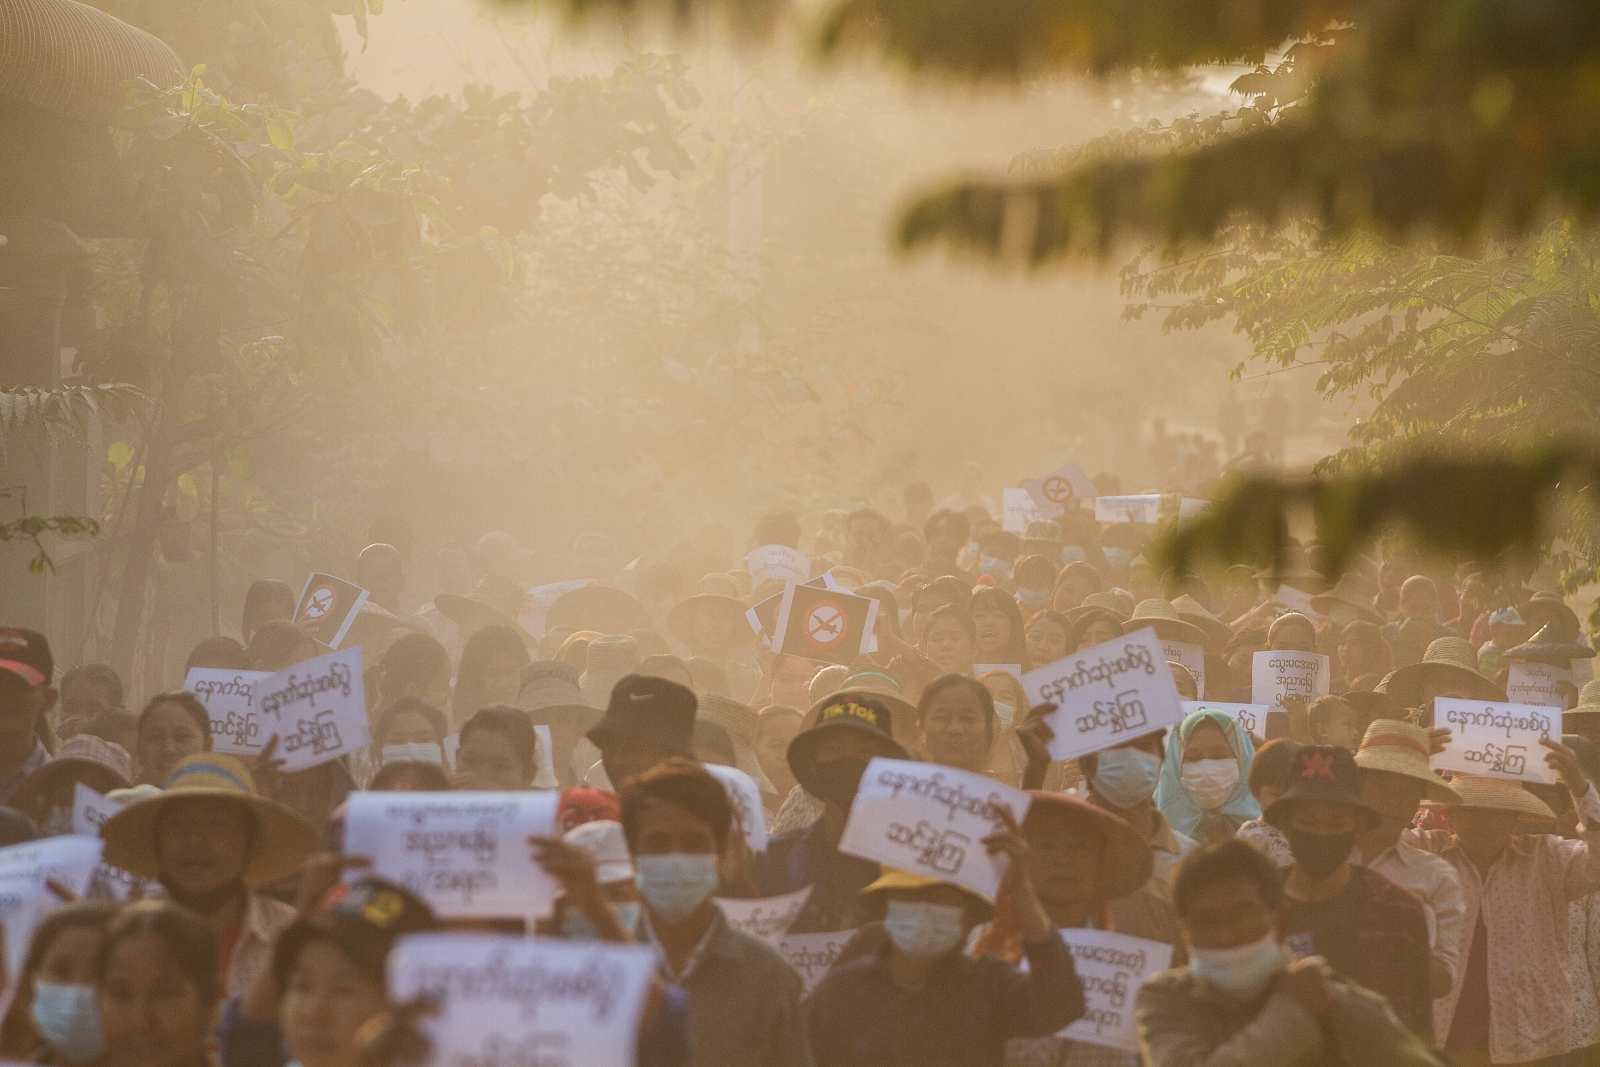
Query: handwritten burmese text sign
(1018, 508)
(317, 708)
(1257, 720)
(1276, 675)
(1192, 657)
(235, 725)
(813, 955)
(70, 860)
(464, 853)
(90, 811)
(778, 561)
(931, 820)
(1111, 968)
(509, 1001)
(767, 917)
(1107, 694)
(1499, 740)
(1145, 508)
(1538, 683)
(745, 796)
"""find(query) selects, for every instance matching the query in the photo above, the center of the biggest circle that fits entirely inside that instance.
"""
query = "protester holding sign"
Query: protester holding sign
(1204, 791)
(743, 995)
(919, 1001)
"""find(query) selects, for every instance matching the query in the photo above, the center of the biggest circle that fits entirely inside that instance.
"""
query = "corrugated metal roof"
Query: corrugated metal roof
(71, 59)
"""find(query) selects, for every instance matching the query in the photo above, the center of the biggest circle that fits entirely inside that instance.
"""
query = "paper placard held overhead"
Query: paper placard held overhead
(317, 708)
(1257, 720)
(235, 725)
(813, 955)
(1190, 656)
(1498, 740)
(1538, 683)
(1105, 695)
(1111, 967)
(1276, 675)
(778, 561)
(327, 607)
(766, 917)
(1062, 486)
(1018, 508)
(931, 820)
(745, 796)
(465, 853)
(508, 1001)
(829, 625)
(1145, 508)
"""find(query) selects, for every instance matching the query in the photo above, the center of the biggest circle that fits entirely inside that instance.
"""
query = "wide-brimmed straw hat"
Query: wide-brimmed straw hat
(1118, 602)
(1497, 794)
(603, 608)
(742, 723)
(1402, 748)
(279, 845)
(1542, 609)
(1125, 859)
(1550, 646)
(1194, 613)
(1162, 617)
(1350, 596)
(609, 659)
(1447, 658)
(895, 878)
(729, 609)
(494, 601)
(98, 764)
(1588, 700)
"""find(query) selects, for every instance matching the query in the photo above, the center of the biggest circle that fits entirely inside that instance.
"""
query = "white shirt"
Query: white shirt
(1436, 884)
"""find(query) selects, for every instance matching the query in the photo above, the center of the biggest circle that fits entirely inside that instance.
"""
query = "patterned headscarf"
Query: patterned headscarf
(1181, 811)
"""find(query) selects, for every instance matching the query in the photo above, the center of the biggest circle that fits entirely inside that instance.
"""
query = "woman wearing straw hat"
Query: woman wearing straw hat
(1512, 999)
(209, 839)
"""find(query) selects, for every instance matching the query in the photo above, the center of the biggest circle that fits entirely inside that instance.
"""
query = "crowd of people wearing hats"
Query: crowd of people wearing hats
(1328, 896)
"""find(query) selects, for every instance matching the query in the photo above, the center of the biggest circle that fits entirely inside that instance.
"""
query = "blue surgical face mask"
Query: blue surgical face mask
(1243, 971)
(421, 751)
(1006, 713)
(1126, 777)
(1034, 599)
(678, 883)
(68, 1019)
(1118, 558)
(921, 930)
(995, 567)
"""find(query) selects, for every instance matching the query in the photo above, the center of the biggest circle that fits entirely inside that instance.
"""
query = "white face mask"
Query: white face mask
(1210, 781)
(1118, 558)
(1006, 713)
(422, 751)
(921, 930)
(1243, 971)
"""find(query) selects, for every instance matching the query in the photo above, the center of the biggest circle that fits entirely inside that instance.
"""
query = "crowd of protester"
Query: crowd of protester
(1328, 895)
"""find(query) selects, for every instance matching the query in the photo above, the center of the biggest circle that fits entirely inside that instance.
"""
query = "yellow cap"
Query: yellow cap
(895, 878)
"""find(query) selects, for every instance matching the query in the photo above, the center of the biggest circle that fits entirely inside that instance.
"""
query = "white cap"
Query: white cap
(604, 840)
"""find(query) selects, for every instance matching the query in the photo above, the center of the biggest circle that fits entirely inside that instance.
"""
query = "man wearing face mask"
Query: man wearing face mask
(919, 1001)
(848, 729)
(1369, 930)
(744, 997)
(1241, 1002)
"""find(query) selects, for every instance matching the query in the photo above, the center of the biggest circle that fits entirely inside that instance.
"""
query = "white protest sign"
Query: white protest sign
(813, 955)
(69, 860)
(507, 1001)
(745, 796)
(778, 561)
(1275, 675)
(327, 607)
(1107, 694)
(829, 625)
(1020, 508)
(1295, 600)
(1191, 656)
(1252, 718)
(317, 708)
(767, 917)
(90, 811)
(1538, 683)
(1145, 508)
(465, 853)
(1498, 740)
(1111, 968)
(235, 726)
(931, 820)
(1059, 488)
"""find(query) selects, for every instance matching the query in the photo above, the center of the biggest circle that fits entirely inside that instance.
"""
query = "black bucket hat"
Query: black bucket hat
(653, 710)
(363, 919)
(847, 710)
(1323, 772)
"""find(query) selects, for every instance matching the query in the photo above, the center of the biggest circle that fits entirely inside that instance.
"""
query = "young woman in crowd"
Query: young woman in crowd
(157, 985)
(1094, 626)
(1047, 637)
(416, 665)
(958, 723)
(499, 750)
(172, 727)
(949, 640)
(53, 1017)
(1204, 789)
(490, 671)
(997, 628)
(410, 730)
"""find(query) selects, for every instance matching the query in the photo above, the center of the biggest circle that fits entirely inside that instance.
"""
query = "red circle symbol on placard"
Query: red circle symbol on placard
(1057, 490)
(826, 623)
(320, 602)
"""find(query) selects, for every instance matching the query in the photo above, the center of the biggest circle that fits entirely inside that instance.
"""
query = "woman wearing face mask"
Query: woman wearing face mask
(53, 1018)
(1203, 790)
(490, 671)
(949, 640)
(412, 730)
(744, 997)
(919, 1000)
(157, 987)
(997, 629)
(1035, 578)
(46, 795)
(1046, 636)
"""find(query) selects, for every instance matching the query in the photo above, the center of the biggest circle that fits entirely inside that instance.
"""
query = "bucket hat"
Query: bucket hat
(652, 710)
(1498, 794)
(1162, 617)
(1125, 859)
(604, 608)
(551, 696)
(845, 710)
(609, 659)
(1402, 748)
(1347, 593)
(282, 840)
(494, 601)
(101, 765)
(1322, 773)
(1588, 700)
(1447, 658)
(1550, 646)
